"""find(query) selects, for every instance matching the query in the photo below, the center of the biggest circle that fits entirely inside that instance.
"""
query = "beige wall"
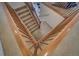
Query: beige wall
(17, 4)
(69, 46)
(50, 16)
(8, 40)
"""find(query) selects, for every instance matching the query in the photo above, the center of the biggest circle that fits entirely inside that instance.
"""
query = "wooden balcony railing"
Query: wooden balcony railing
(18, 29)
(41, 47)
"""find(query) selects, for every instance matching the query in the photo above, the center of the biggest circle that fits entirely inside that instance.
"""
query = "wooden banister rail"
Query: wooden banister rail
(19, 23)
(34, 15)
(24, 50)
(54, 43)
(59, 27)
(19, 29)
(34, 12)
(61, 11)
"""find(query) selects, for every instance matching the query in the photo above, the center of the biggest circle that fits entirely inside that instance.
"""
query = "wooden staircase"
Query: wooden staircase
(19, 29)
(23, 24)
(24, 11)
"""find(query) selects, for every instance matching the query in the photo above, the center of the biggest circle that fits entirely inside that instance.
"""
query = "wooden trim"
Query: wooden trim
(26, 15)
(25, 51)
(59, 27)
(27, 22)
(23, 12)
(52, 46)
(27, 19)
(35, 29)
(20, 8)
(34, 15)
(19, 23)
(62, 28)
(33, 23)
(34, 12)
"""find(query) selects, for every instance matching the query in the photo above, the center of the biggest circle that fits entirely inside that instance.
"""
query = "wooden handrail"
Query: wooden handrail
(34, 15)
(61, 11)
(24, 50)
(19, 23)
(54, 43)
(59, 27)
(62, 28)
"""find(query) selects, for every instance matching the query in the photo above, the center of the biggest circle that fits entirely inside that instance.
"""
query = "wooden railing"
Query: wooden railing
(59, 37)
(33, 12)
(19, 23)
(60, 26)
(61, 30)
(62, 11)
(18, 29)
(25, 14)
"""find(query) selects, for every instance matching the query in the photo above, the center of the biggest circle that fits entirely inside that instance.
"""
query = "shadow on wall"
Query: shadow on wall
(1, 47)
